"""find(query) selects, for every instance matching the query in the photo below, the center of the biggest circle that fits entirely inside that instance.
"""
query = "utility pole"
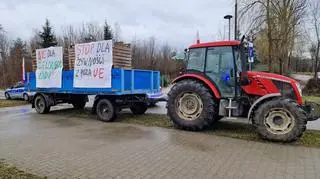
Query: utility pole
(229, 17)
(236, 20)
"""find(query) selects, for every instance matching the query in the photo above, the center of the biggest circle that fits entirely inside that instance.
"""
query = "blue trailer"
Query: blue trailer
(128, 90)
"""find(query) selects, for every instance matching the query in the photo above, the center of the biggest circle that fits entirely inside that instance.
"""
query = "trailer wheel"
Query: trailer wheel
(138, 108)
(41, 105)
(280, 120)
(106, 110)
(191, 106)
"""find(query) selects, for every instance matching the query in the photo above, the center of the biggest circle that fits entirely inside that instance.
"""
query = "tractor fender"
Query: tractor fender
(202, 79)
(260, 100)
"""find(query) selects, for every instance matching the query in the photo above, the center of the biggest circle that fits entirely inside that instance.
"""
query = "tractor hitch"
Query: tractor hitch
(312, 109)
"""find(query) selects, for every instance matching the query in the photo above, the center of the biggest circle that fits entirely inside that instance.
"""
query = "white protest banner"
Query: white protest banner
(49, 67)
(92, 67)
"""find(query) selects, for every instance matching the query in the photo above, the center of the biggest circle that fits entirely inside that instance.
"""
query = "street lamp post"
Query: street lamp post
(229, 17)
(236, 20)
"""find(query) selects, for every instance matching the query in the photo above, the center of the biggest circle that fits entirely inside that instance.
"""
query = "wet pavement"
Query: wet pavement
(68, 147)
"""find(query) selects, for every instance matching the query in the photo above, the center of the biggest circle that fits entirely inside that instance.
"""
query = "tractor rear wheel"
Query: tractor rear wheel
(280, 120)
(191, 106)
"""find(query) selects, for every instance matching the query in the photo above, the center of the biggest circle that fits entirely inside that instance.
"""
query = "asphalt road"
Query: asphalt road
(67, 147)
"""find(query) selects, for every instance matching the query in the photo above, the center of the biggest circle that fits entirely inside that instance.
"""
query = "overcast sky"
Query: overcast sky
(172, 21)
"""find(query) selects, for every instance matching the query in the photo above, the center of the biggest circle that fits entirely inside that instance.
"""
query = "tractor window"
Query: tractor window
(238, 61)
(196, 59)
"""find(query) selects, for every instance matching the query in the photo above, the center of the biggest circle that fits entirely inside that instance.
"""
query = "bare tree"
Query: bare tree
(69, 34)
(117, 32)
(4, 54)
(315, 19)
(281, 20)
(149, 54)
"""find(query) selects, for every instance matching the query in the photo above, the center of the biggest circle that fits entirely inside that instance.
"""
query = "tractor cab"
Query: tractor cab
(219, 62)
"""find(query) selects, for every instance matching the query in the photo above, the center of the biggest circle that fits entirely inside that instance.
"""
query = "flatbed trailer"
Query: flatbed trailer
(129, 88)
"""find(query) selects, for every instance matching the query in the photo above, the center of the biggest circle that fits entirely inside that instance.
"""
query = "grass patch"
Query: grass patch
(311, 138)
(10, 103)
(10, 172)
(315, 99)
(305, 73)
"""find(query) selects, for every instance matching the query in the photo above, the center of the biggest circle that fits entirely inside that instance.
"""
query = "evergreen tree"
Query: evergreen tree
(47, 36)
(107, 31)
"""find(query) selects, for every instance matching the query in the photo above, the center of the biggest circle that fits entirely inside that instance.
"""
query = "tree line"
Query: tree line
(285, 32)
(146, 53)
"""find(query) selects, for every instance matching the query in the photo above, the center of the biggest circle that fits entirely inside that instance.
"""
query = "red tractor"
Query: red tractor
(216, 84)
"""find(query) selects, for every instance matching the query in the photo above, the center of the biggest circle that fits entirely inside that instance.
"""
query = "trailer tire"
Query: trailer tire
(138, 108)
(202, 106)
(41, 105)
(280, 120)
(106, 111)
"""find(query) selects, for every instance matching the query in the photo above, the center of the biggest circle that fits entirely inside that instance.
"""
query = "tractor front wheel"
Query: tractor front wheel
(280, 120)
(191, 106)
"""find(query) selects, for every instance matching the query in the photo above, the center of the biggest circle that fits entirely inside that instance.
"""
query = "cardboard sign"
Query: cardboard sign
(93, 63)
(49, 67)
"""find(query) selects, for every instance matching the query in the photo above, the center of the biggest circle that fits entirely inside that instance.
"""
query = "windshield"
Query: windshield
(196, 59)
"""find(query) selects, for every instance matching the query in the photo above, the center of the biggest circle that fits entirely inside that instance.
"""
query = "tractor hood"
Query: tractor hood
(263, 83)
(271, 76)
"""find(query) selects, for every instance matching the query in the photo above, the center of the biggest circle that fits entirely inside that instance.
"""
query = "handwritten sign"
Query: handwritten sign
(49, 67)
(92, 68)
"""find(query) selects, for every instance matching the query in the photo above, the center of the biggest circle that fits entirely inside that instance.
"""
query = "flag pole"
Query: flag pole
(23, 70)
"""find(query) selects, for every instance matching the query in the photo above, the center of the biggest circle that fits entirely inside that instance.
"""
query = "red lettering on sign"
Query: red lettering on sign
(101, 73)
(78, 50)
(95, 72)
(98, 73)
(41, 55)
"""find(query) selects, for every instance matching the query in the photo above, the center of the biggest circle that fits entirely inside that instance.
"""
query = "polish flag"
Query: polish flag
(23, 70)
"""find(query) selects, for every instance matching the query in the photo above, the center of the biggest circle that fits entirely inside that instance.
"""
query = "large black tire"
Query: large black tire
(138, 108)
(280, 120)
(7, 96)
(178, 111)
(106, 110)
(41, 105)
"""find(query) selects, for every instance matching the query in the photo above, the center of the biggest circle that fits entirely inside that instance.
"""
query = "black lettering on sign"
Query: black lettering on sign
(103, 47)
(51, 53)
(85, 72)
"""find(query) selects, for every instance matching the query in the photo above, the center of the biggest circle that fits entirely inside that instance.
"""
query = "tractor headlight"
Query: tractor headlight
(299, 88)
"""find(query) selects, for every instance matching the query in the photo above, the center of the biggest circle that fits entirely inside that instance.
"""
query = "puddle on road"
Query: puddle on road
(112, 132)
(65, 122)
(191, 141)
